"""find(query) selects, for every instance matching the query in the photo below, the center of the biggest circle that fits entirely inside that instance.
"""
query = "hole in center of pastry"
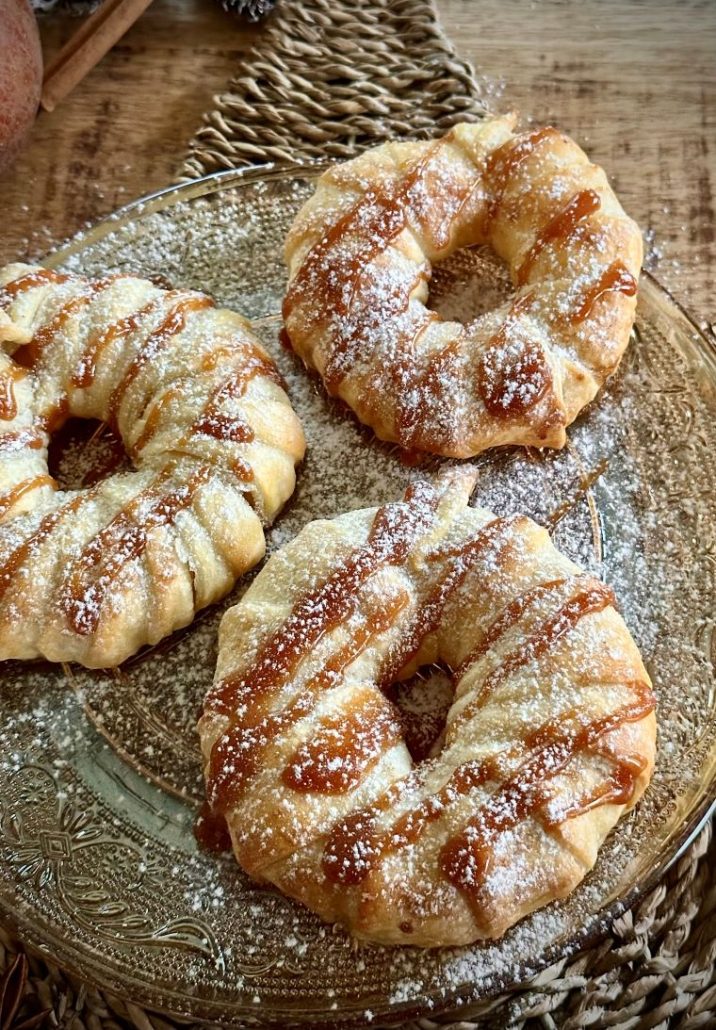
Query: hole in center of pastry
(468, 284)
(423, 702)
(84, 452)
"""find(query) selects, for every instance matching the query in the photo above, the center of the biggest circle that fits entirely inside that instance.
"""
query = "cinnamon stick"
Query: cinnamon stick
(87, 47)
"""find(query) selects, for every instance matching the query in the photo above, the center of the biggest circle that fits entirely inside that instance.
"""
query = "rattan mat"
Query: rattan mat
(329, 76)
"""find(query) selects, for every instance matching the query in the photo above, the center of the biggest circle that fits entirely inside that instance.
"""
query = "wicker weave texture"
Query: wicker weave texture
(655, 971)
(333, 75)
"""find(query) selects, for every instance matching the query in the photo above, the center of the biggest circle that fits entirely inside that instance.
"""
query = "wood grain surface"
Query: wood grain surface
(633, 80)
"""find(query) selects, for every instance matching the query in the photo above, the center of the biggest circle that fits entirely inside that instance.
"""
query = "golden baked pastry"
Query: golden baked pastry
(550, 737)
(92, 575)
(360, 253)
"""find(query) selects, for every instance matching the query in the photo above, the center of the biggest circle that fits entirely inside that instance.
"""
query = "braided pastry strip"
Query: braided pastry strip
(92, 575)
(550, 737)
(360, 254)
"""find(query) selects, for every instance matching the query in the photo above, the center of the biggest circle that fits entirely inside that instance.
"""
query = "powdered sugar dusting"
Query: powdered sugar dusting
(646, 527)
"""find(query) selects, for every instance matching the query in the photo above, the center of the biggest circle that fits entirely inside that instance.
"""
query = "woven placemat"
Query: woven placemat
(327, 77)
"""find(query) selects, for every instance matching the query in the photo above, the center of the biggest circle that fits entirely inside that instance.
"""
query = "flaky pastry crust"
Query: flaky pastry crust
(549, 739)
(360, 254)
(92, 575)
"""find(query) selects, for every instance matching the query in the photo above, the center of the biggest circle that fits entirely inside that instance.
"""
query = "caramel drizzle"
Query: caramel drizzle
(171, 325)
(32, 438)
(465, 859)
(511, 384)
(40, 277)
(344, 747)
(238, 755)
(593, 599)
(560, 228)
(55, 417)
(211, 830)
(153, 419)
(122, 541)
(30, 353)
(211, 421)
(509, 617)
(10, 499)
(617, 789)
(394, 532)
(8, 400)
(615, 279)
(16, 559)
(377, 218)
(86, 371)
(355, 845)
(503, 162)
(224, 427)
(494, 536)
(417, 391)
(242, 469)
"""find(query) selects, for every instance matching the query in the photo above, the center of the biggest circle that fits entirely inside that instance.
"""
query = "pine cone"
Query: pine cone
(254, 10)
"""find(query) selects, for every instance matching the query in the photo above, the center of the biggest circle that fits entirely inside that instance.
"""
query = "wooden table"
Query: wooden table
(633, 80)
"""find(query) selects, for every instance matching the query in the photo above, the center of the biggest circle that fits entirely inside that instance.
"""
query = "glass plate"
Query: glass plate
(100, 776)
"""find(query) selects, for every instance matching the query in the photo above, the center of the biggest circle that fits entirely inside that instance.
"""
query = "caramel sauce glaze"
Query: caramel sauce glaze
(503, 162)
(8, 400)
(171, 325)
(372, 223)
(16, 559)
(234, 757)
(154, 418)
(31, 353)
(10, 499)
(344, 747)
(560, 228)
(86, 371)
(592, 599)
(465, 859)
(395, 530)
(211, 832)
(508, 617)
(123, 540)
(242, 748)
(40, 277)
(615, 279)
(495, 535)
(355, 845)
(513, 379)
(32, 438)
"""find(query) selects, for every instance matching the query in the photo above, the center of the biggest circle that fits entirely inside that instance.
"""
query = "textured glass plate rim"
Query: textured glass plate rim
(79, 961)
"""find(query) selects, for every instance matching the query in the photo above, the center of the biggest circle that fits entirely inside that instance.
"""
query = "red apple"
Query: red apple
(20, 75)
